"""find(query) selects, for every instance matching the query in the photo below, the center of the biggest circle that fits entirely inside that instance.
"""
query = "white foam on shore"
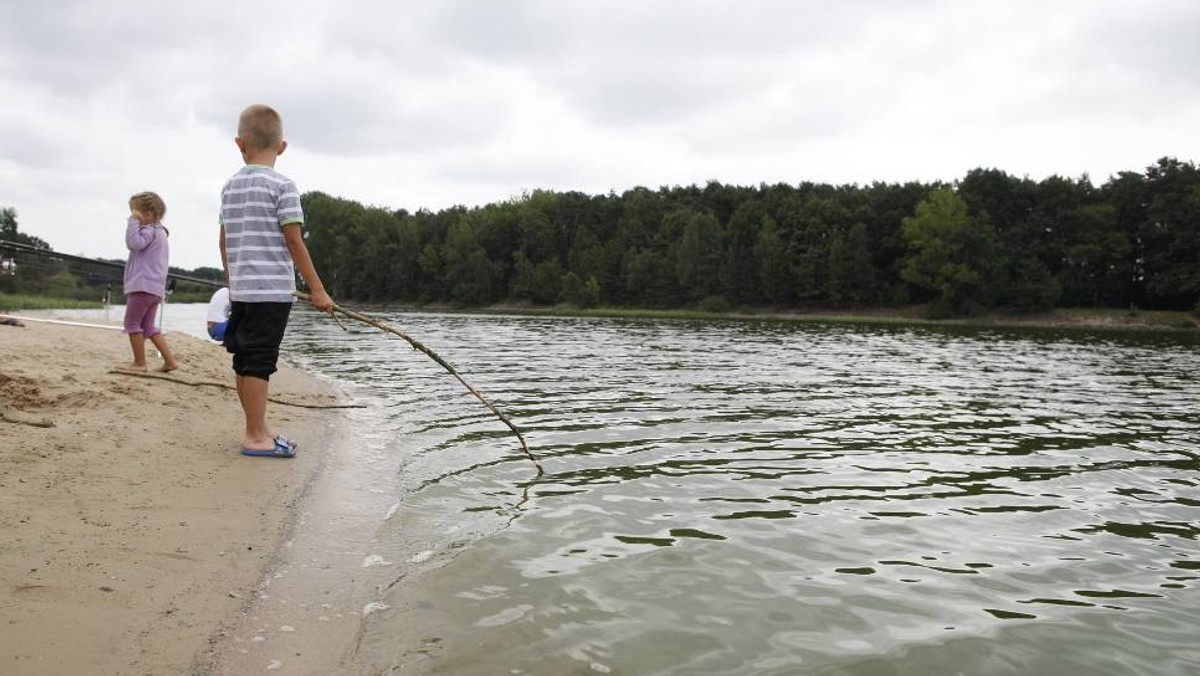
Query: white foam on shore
(374, 607)
(375, 560)
(318, 585)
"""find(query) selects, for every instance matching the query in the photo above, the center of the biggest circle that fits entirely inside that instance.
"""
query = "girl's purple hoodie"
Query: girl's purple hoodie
(146, 269)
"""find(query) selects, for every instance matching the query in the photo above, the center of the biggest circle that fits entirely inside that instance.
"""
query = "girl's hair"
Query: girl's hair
(150, 203)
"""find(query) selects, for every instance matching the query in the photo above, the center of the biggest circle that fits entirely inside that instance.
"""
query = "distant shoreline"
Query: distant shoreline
(1066, 318)
(1059, 318)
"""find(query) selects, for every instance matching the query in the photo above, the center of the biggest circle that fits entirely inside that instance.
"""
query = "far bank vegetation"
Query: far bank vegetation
(990, 242)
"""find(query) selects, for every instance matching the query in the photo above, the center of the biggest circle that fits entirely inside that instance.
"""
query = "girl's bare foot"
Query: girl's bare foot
(167, 368)
(132, 368)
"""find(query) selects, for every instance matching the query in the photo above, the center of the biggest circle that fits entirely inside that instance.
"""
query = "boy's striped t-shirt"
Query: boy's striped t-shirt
(255, 205)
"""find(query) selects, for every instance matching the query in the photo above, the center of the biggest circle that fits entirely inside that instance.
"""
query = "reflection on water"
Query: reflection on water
(764, 498)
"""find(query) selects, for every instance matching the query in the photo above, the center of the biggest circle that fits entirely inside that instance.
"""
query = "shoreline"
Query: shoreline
(307, 614)
(1063, 318)
(1070, 319)
(135, 538)
(1085, 319)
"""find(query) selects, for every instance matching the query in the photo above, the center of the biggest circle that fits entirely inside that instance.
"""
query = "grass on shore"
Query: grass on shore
(10, 302)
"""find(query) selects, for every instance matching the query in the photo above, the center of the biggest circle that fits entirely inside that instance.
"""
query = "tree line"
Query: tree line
(988, 241)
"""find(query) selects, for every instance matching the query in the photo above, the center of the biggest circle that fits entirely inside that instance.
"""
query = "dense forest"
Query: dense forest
(989, 241)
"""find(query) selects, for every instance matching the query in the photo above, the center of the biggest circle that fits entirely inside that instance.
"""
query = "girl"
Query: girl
(146, 279)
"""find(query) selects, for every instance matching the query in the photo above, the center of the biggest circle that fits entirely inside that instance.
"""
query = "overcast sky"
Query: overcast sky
(440, 102)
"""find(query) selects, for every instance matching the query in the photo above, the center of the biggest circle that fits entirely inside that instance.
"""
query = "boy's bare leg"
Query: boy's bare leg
(137, 342)
(253, 393)
(169, 363)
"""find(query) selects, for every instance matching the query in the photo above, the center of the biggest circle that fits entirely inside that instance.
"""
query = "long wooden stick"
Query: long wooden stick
(437, 358)
(7, 417)
(202, 383)
(61, 322)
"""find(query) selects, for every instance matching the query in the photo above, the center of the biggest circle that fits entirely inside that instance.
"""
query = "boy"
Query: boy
(262, 248)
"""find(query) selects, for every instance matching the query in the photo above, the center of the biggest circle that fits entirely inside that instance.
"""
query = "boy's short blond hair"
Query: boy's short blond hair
(260, 127)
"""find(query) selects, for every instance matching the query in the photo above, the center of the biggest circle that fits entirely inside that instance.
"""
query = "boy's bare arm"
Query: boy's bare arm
(294, 237)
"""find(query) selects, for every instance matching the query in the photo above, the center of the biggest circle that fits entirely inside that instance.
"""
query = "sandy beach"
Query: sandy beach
(134, 537)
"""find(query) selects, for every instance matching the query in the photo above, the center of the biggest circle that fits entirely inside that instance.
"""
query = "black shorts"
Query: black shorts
(253, 336)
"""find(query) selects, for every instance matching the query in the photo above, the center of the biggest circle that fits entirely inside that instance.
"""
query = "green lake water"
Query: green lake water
(774, 498)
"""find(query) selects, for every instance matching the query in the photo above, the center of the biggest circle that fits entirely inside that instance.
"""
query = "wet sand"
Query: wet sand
(134, 537)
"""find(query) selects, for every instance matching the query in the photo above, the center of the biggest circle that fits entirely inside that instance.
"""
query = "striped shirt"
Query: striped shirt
(255, 205)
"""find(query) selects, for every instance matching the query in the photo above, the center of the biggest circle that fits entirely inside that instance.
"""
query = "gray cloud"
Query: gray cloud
(1157, 40)
(81, 47)
(431, 102)
(362, 113)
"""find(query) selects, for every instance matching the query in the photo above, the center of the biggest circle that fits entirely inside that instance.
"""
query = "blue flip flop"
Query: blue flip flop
(282, 450)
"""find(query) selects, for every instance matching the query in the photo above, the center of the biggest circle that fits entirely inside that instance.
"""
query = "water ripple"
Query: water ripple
(760, 498)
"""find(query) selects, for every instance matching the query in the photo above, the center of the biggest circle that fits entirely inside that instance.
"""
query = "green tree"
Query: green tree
(1031, 286)
(948, 253)
(470, 275)
(1036, 253)
(586, 258)
(739, 270)
(522, 284)
(851, 273)
(698, 257)
(498, 231)
(883, 209)
(540, 236)
(430, 264)
(580, 293)
(640, 219)
(1127, 194)
(1098, 269)
(27, 272)
(328, 225)
(8, 224)
(9, 232)
(1170, 234)
(771, 262)
(812, 227)
(547, 281)
(1010, 204)
(650, 279)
